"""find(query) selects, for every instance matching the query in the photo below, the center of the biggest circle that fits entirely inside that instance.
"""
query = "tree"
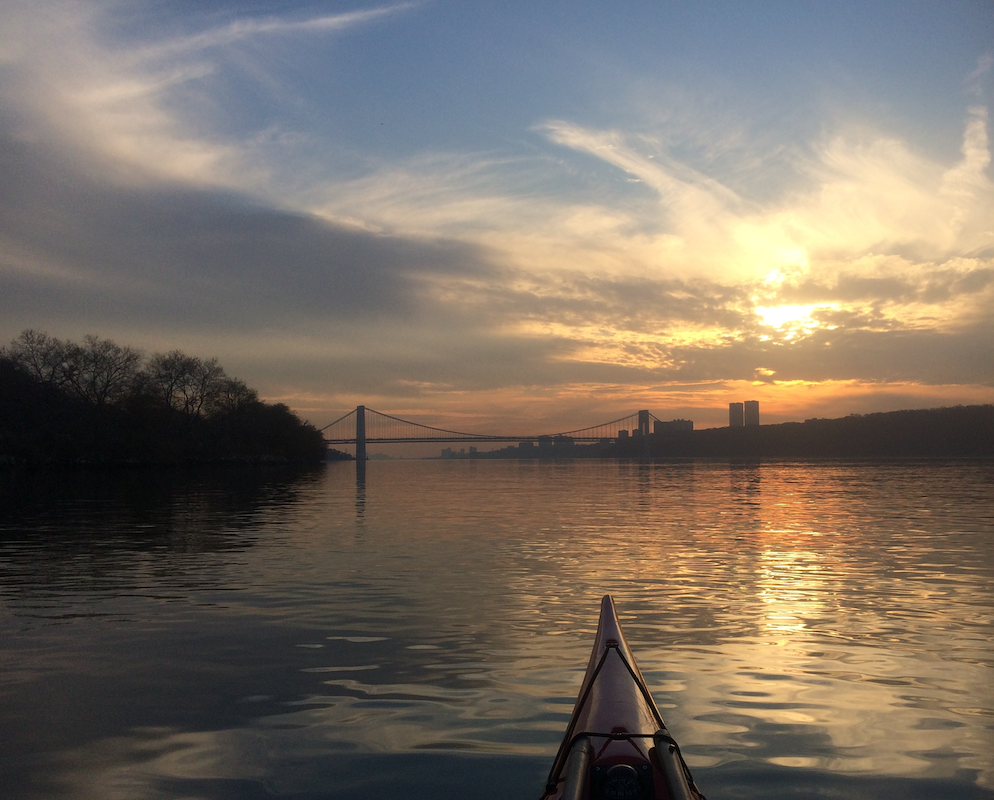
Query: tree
(104, 371)
(45, 358)
(194, 386)
(98, 371)
(229, 396)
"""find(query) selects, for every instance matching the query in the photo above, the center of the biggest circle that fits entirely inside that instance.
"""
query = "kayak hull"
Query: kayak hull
(616, 745)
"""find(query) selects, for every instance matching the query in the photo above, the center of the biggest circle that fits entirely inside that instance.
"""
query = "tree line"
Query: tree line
(96, 401)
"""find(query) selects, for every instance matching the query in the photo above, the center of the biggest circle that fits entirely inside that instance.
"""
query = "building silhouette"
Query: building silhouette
(673, 427)
(743, 414)
(751, 412)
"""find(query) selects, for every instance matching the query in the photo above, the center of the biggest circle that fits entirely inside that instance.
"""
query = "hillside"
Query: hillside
(929, 433)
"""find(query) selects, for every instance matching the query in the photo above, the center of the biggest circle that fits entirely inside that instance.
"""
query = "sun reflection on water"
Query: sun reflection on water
(790, 585)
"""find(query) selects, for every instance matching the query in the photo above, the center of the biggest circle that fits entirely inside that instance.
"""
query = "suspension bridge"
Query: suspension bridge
(365, 426)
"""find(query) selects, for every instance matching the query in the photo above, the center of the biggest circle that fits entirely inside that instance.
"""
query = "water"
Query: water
(808, 629)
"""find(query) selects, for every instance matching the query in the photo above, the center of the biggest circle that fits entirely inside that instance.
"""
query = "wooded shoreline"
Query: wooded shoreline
(65, 404)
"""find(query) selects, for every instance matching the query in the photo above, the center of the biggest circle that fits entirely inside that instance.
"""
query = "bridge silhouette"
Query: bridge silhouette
(365, 426)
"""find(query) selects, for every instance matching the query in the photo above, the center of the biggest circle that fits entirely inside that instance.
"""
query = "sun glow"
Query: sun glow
(794, 316)
(603, 336)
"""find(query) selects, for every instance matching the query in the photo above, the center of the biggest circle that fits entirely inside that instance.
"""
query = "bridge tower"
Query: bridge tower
(643, 423)
(644, 433)
(360, 438)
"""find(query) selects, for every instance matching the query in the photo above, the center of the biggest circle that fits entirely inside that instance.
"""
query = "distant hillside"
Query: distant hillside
(958, 432)
(930, 433)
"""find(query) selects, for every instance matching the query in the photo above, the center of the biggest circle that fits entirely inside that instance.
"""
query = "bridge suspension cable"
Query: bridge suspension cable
(380, 427)
(631, 422)
(443, 431)
(352, 413)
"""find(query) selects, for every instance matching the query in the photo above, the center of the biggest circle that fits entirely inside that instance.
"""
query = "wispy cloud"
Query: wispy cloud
(977, 79)
(679, 186)
(861, 194)
(127, 108)
(271, 26)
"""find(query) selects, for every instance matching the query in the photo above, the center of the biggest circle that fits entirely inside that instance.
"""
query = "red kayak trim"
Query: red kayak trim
(616, 745)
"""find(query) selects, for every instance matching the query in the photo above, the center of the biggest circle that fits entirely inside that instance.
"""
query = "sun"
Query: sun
(794, 317)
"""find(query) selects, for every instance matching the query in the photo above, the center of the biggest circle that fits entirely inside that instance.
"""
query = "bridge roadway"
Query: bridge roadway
(400, 440)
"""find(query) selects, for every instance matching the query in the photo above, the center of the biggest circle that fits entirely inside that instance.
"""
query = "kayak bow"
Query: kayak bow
(616, 745)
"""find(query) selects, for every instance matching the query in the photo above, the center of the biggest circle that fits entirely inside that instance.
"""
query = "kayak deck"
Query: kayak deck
(616, 745)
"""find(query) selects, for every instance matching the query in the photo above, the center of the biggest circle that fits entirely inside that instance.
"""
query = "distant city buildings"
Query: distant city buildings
(541, 447)
(743, 414)
(651, 434)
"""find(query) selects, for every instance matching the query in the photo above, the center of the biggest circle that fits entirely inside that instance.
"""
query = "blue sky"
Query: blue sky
(499, 214)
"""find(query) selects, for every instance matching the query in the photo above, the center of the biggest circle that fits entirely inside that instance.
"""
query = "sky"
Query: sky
(512, 216)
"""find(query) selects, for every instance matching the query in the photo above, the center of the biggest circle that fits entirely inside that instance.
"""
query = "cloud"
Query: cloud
(271, 26)
(900, 282)
(138, 112)
(167, 252)
(976, 80)
(62, 87)
(863, 194)
(680, 188)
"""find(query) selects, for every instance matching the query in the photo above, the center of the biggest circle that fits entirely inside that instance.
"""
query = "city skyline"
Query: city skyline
(508, 217)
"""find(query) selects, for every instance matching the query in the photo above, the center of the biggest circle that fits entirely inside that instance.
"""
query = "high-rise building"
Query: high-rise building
(736, 418)
(751, 412)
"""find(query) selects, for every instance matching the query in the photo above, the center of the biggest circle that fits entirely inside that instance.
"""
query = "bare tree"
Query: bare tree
(102, 372)
(206, 383)
(46, 358)
(194, 386)
(231, 394)
(170, 376)
(166, 375)
(98, 371)
(105, 372)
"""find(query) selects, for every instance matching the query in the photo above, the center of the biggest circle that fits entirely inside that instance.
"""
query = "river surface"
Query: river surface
(809, 630)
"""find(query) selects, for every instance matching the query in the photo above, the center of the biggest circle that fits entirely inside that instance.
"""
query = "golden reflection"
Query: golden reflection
(790, 586)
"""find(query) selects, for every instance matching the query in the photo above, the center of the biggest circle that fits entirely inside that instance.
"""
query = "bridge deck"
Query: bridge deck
(372, 440)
